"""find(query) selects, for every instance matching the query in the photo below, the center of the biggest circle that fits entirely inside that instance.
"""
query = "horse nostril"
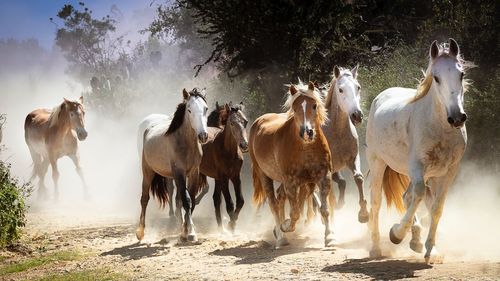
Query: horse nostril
(310, 132)
(464, 117)
(450, 120)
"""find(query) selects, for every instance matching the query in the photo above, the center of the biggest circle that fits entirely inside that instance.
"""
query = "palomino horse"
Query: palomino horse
(290, 148)
(417, 136)
(344, 112)
(172, 148)
(50, 135)
(223, 158)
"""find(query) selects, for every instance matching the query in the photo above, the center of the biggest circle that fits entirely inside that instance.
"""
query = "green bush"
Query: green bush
(12, 205)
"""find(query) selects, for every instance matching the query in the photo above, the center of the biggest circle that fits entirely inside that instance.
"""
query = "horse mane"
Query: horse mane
(178, 118)
(329, 96)
(213, 118)
(54, 115)
(303, 90)
(425, 83)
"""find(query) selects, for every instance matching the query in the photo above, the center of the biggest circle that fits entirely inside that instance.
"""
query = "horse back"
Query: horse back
(36, 125)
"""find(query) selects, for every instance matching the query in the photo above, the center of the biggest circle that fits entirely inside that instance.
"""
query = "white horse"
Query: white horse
(417, 137)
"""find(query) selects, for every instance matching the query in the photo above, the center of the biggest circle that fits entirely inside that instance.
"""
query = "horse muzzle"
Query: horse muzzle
(81, 134)
(457, 121)
(203, 137)
(244, 147)
(307, 134)
(357, 117)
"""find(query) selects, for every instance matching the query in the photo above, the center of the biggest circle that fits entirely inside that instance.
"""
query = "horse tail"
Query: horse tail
(159, 189)
(394, 185)
(259, 194)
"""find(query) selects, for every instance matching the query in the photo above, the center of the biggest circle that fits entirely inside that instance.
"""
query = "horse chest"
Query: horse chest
(309, 166)
(438, 156)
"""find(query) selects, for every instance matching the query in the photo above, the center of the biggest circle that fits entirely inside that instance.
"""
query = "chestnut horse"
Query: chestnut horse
(172, 149)
(52, 134)
(291, 148)
(223, 158)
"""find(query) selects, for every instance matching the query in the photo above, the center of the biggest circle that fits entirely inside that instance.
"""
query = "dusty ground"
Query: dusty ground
(109, 243)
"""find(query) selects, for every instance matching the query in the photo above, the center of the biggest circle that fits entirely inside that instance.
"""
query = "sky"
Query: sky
(24, 19)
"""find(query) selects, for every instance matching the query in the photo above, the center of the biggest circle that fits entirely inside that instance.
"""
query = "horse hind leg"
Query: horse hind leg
(229, 204)
(240, 201)
(377, 168)
(337, 177)
(170, 190)
(217, 201)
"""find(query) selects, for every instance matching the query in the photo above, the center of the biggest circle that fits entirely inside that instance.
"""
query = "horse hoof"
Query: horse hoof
(417, 246)
(375, 253)
(192, 238)
(232, 226)
(329, 240)
(286, 226)
(282, 242)
(393, 237)
(363, 216)
(339, 205)
(139, 233)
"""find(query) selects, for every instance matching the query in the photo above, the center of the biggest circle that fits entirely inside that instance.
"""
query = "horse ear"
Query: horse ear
(311, 86)
(226, 107)
(336, 71)
(354, 71)
(66, 100)
(293, 90)
(434, 51)
(454, 49)
(242, 107)
(80, 100)
(217, 105)
(185, 94)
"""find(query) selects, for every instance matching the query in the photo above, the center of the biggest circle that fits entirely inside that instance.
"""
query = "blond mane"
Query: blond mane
(54, 115)
(303, 90)
(425, 83)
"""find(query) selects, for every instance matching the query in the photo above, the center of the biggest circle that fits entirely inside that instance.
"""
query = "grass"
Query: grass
(99, 274)
(38, 261)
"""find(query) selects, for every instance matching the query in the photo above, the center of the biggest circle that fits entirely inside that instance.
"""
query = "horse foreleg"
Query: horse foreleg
(416, 194)
(377, 168)
(147, 178)
(188, 232)
(240, 201)
(76, 160)
(441, 190)
(416, 229)
(55, 176)
(229, 203)
(325, 188)
(358, 178)
(341, 183)
(217, 201)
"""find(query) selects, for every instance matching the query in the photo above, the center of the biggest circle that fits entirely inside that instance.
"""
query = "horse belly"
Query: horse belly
(39, 148)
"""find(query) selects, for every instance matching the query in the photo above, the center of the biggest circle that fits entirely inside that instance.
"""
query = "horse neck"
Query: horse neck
(187, 131)
(230, 144)
(62, 125)
(339, 119)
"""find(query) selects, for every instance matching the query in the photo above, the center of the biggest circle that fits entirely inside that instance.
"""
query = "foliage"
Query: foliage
(12, 206)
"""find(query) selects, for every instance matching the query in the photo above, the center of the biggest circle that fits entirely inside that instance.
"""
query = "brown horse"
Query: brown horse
(171, 148)
(290, 148)
(223, 158)
(52, 134)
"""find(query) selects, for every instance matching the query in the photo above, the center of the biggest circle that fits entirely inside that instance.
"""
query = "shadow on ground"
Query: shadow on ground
(138, 251)
(262, 252)
(379, 269)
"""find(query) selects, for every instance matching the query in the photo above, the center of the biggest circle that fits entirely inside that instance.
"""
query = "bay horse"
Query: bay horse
(52, 134)
(223, 158)
(172, 149)
(291, 148)
(344, 113)
(416, 140)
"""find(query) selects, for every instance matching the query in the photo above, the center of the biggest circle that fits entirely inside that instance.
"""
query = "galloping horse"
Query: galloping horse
(172, 148)
(344, 112)
(223, 158)
(50, 135)
(418, 137)
(290, 148)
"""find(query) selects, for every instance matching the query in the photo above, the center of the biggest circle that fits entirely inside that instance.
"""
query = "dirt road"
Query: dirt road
(109, 244)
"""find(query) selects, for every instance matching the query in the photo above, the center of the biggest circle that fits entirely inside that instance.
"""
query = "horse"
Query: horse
(344, 113)
(291, 148)
(172, 149)
(416, 139)
(223, 158)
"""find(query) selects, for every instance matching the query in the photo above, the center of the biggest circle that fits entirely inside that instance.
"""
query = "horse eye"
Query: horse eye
(314, 107)
(340, 90)
(359, 88)
(461, 76)
(436, 79)
(189, 110)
